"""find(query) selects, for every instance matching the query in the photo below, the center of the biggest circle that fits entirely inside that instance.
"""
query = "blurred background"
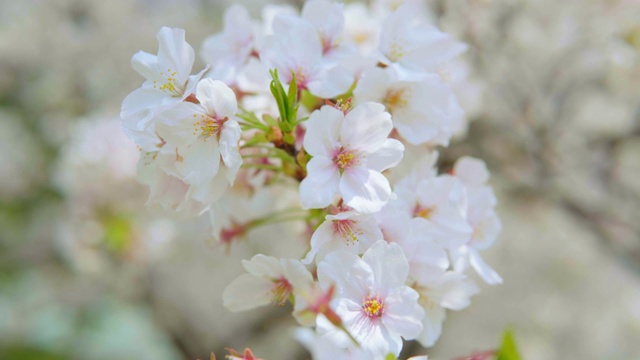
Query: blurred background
(88, 272)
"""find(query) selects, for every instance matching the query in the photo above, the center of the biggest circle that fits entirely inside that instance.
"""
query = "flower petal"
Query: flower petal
(320, 186)
(364, 190)
(388, 156)
(217, 97)
(323, 130)
(366, 127)
(247, 292)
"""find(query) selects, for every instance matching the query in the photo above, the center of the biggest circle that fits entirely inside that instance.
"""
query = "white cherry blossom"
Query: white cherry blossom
(168, 80)
(417, 120)
(156, 170)
(345, 230)
(349, 154)
(327, 17)
(228, 51)
(269, 281)
(206, 137)
(376, 306)
(410, 45)
(417, 238)
(324, 348)
(441, 201)
(450, 291)
(298, 53)
(481, 216)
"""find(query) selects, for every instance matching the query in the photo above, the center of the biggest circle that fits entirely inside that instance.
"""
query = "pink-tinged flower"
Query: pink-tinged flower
(427, 259)
(317, 301)
(298, 53)
(450, 291)
(349, 154)
(411, 46)
(324, 348)
(269, 281)
(482, 218)
(327, 17)
(168, 79)
(206, 137)
(155, 169)
(442, 202)
(375, 305)
(418, 121)
(346, 230)
(229, 51)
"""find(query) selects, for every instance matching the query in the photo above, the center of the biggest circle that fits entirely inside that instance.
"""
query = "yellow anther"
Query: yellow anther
(373, 306)
(395, 99)
(424, 213)
(344, 159)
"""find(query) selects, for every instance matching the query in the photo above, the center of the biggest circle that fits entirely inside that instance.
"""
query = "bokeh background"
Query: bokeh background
(88, 272)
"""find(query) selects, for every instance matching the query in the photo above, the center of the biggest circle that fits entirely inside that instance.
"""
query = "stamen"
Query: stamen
(344, 158)
(346, 229)
(281, 291)
(423, 212)
(396, 98)
(373, 306)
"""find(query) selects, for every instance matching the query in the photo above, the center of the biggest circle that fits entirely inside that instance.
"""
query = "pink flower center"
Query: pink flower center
(424, 212)
(396, 98)
(345, 228)
(345, 158)
(281, 291)
(208, 126)
(373, 306)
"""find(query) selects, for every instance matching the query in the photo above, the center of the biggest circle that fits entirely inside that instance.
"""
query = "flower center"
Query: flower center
(346, 229)
(344, 158)
(171, 85)
(281, 291)
(396, 98)
(373, 306)
(424, 212)
(396, 50)
(208, 126)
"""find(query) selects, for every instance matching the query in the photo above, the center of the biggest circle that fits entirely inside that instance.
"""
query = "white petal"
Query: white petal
(217, 97)
(336, 81)
(364, 190)
(483, 269)
(402, 314)
(229, 138)
(472, 171)
(199, 162)
(174, 53)
(366, 127)
(247, 292)
(387, 156)
(352, 276)
(389, 265)
(323, 130)
(145, 64)
(432, 323)
(297, 274)
(322, 236)
(264, 266)
(321, 185)
(139, 107)
(454, 291)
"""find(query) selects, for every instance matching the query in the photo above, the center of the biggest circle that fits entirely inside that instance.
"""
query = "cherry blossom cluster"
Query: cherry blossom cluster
(304, 118)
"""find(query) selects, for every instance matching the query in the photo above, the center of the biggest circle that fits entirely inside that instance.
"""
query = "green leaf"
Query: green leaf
(278, 93)
(287, 102)
(508, 349)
